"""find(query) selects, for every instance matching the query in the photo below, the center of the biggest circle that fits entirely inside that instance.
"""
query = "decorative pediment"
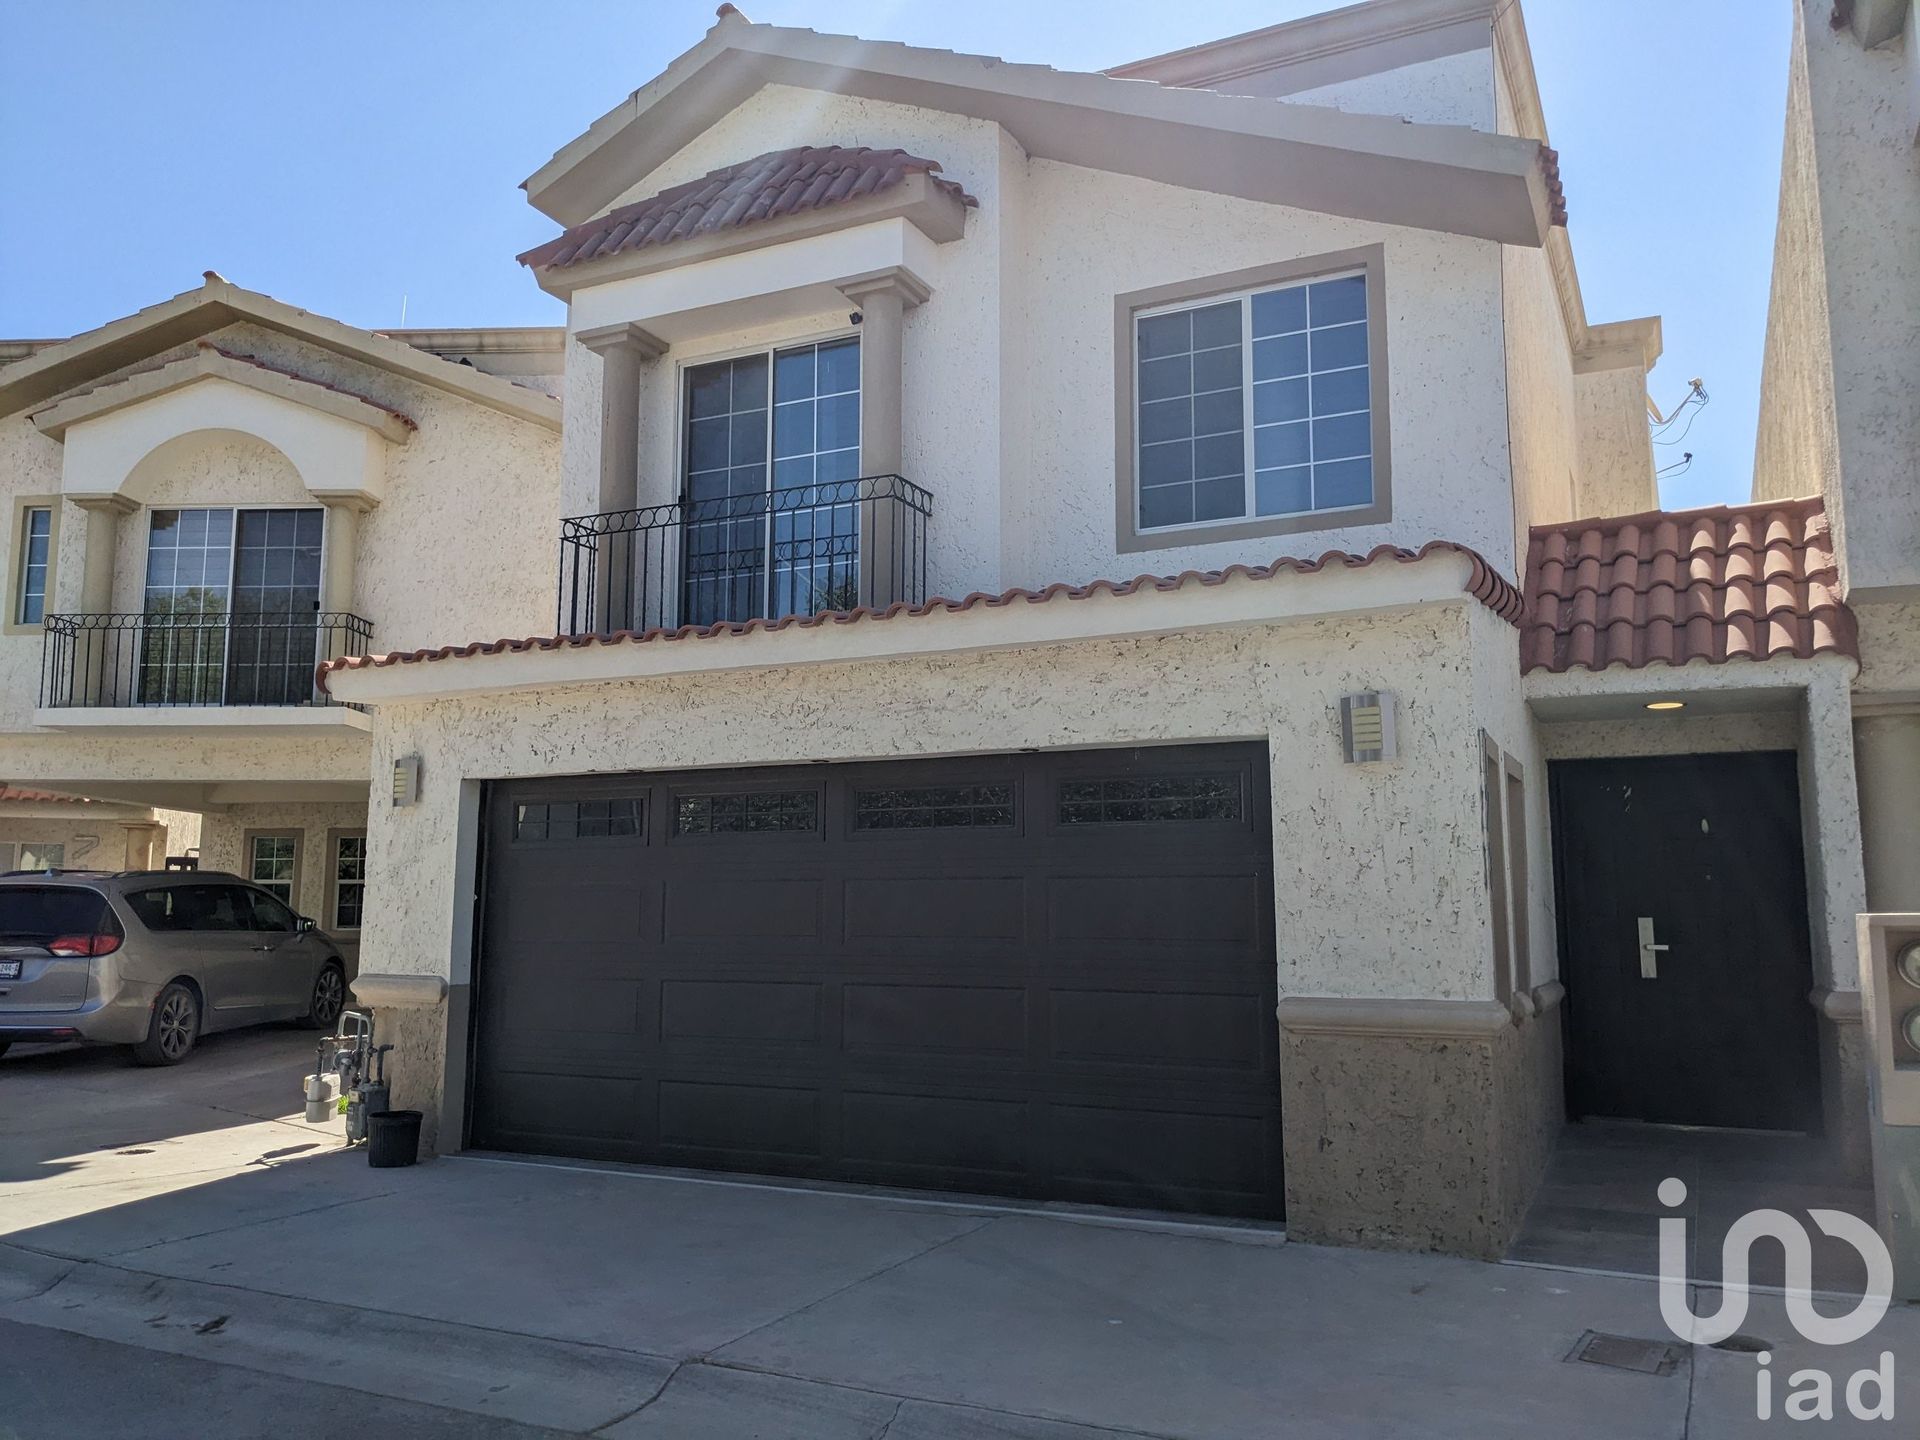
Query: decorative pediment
(64, 369)
(210, 362)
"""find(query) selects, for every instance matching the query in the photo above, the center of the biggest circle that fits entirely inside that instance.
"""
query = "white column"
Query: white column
(337, 593)
(884, 528)
(102, 659)
(1887, 756)
(607, 604)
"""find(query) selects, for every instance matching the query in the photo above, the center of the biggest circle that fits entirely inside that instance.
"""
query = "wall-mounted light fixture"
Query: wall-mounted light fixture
(1366, 727)
(406, 781)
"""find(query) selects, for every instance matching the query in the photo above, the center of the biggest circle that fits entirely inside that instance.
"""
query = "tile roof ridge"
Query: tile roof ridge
(1484, 583)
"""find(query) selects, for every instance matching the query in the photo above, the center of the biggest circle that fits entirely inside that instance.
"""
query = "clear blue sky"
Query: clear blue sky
(342, 155)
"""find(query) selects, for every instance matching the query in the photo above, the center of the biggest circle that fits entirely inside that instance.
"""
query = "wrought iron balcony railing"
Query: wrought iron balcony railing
(97, 661)
(832, 545)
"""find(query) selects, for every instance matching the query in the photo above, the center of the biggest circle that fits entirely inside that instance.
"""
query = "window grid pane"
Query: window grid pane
(1150, 798)
(764, 812)
(1191, 415)
(934, 807)
(271, 865)
(35, 547)
(189, 581)
(571, 820)
(349, 881)
(1306, 387)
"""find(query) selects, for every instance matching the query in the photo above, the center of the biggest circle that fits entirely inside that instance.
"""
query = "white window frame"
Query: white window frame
(1130, 535)
(249, 840)
(25, 507)
(1249, 496)
(39, 851)
(335, 883)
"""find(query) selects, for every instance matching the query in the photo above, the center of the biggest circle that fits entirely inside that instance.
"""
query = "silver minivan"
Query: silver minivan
(156, 959)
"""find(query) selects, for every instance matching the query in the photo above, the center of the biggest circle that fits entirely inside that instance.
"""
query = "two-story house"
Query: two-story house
(1114, 643)
(207, 499)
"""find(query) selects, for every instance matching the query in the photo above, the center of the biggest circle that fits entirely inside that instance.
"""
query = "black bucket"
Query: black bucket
(393, 1138)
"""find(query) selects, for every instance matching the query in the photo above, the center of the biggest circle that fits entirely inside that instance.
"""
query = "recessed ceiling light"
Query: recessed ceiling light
(1666, 705)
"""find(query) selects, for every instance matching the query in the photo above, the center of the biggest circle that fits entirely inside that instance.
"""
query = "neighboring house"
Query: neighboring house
(1295, 757)
(41, 830)
(1840, 406)
(205, 500)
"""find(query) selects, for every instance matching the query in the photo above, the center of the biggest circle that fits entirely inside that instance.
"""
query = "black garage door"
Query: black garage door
(1038, 975)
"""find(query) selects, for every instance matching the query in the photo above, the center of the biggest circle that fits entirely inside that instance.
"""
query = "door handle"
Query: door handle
(1649, 950)
(269, 949)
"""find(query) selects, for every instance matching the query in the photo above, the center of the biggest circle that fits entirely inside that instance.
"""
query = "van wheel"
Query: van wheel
(174, 1029)
(329, 998)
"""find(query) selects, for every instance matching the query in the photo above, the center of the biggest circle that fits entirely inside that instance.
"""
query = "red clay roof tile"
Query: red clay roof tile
(1484, 583)
(14, 793)
(781, 182)
(1663, 588)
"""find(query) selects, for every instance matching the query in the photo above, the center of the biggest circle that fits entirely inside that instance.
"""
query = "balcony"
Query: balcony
(764, 554)
(143, 672)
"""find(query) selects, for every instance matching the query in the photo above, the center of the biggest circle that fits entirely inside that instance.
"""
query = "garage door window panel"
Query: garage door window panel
(543, 821)
(935, 807)
(1130, 800)
(746, 812)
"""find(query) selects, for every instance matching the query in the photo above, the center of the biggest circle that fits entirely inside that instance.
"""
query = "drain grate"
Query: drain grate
(1624, 1352)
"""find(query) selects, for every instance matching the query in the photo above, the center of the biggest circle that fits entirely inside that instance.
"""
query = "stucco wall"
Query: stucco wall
(223, 835)
(90, 841)
(30, 466)
(1796, 451)
(1671, 735)
(1451, 90)
(1889, 649)
(1009, 389)
(1616, 450)
(147, 759)
(1868, 182)
(1541, 409)
(1500, 710)
(1376, 866)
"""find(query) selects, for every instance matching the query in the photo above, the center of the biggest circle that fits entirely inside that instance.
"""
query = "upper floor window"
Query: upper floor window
(1254, 404)
(36, 553)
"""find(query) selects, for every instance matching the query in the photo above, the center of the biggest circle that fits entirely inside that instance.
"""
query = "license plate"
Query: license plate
(9, 969)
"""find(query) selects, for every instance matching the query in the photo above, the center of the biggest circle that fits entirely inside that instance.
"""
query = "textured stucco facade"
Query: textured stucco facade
(1840, 414)
(1840, 417)
(1422, 1087)
(1380, 890)
(1020, 323)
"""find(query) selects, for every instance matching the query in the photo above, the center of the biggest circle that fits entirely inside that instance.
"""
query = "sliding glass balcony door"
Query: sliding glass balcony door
(231, 607)
(771, 504)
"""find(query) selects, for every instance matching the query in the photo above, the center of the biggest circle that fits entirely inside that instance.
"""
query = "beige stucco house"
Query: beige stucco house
(207, 498)
(1109, 629)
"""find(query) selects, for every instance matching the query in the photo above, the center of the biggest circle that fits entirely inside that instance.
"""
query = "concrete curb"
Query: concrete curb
(457, 1367)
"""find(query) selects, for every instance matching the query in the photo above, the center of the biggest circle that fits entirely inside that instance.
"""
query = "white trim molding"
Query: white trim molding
(400, 992)
(1400, 1019)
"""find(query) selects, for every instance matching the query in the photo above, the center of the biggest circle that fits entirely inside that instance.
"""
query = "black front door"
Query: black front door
(1683, 920)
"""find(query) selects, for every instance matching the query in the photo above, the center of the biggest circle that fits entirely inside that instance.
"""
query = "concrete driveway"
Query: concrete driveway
(180, 1212)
